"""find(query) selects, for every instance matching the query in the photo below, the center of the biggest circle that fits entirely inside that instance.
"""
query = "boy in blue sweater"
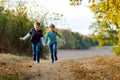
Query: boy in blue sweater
(37, 36)
(52, 42)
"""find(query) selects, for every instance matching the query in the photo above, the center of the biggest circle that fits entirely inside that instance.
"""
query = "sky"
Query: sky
(78, 18)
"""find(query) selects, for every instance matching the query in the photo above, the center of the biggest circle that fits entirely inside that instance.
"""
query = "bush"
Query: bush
(116, 50)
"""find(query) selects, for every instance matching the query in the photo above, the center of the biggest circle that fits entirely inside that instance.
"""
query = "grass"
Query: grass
(95, 68)
(12, 67)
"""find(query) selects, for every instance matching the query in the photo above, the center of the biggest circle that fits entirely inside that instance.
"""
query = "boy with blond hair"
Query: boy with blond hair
(36, 36)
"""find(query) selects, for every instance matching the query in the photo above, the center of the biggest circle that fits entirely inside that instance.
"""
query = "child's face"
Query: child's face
(37, 27)
(51, 29)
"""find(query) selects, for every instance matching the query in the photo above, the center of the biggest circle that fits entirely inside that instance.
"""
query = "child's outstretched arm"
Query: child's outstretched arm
(61, 37)
(25, 37)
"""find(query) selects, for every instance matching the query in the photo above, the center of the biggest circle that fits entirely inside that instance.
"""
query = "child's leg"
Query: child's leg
(55, 51)
(38, 52)
(33, 51)
(51, 52)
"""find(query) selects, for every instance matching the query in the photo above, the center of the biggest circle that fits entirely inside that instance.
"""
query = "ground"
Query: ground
(92, 64)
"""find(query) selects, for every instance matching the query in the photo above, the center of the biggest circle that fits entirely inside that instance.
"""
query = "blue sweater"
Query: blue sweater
(51, 37)
(36, 35)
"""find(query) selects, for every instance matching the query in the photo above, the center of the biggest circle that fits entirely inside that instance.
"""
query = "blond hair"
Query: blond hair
(51, 25)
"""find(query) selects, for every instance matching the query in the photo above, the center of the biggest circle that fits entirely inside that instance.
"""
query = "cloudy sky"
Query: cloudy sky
(78, 18)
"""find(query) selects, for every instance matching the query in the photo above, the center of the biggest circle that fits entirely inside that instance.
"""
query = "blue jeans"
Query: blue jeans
(53, 51)
(36, 51)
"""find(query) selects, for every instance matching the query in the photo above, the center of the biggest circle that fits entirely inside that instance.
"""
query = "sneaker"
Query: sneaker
(34, 58)
(52, 61)
(56, 59)
(37, 61)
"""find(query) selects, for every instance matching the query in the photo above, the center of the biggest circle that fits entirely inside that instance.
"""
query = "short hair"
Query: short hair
(37, 23)
(51, 25)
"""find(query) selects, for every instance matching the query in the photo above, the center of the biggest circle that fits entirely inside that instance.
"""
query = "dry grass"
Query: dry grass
(12, 67)
(95, 68)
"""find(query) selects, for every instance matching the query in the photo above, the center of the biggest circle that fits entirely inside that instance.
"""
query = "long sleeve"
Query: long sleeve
(43, 41)
(60, 36)
(27, 36)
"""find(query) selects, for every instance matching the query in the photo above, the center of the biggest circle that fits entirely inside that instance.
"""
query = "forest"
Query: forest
(106, 27)
(18, 20)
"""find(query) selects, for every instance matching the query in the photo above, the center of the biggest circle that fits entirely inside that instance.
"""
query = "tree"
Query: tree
(15, 21)
(78, 2)
(75, 40)
(107, 25)
(69, 39)
(106, 28)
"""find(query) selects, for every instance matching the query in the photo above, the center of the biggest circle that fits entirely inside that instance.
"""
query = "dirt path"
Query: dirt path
(48, 71)
(53, 71)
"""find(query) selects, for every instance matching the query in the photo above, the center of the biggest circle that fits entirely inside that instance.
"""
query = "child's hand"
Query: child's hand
(21, 38)
(44, 45)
